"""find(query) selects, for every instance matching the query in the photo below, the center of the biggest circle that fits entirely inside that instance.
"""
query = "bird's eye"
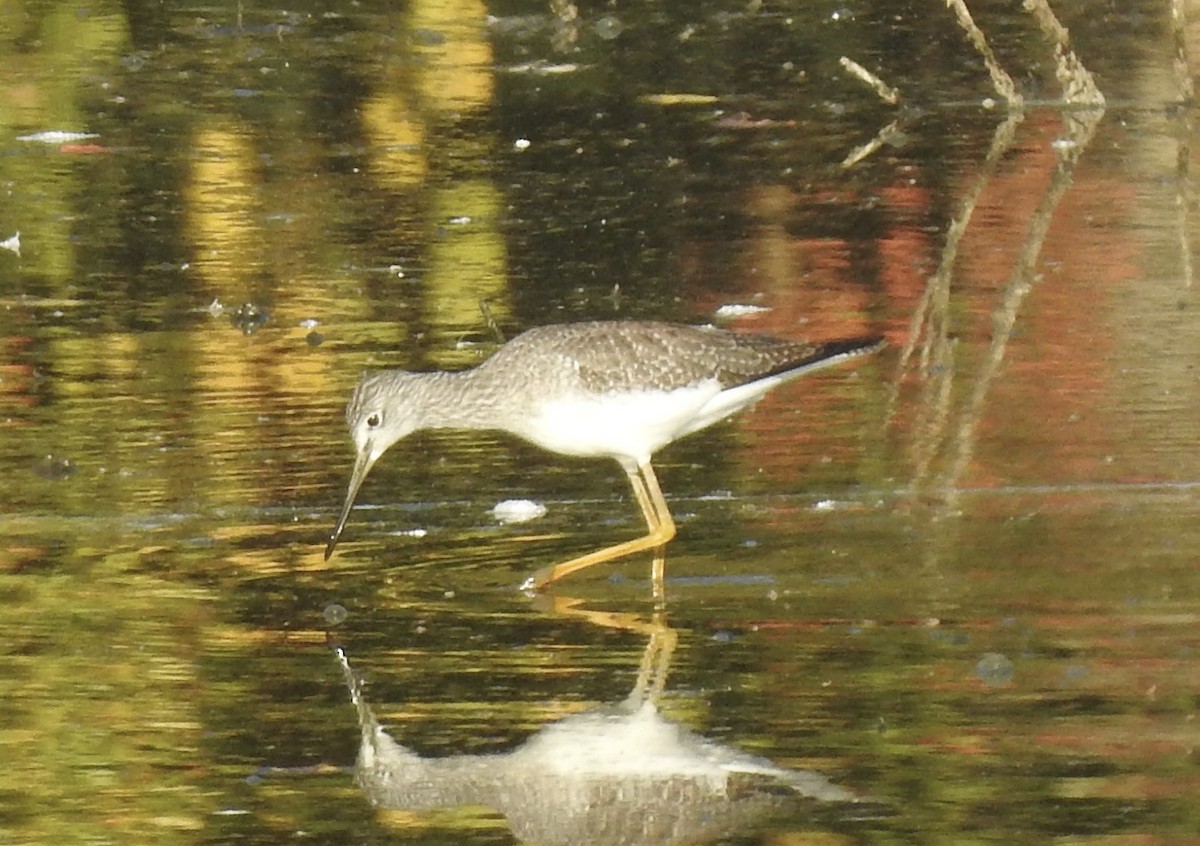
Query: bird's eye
(374, 420)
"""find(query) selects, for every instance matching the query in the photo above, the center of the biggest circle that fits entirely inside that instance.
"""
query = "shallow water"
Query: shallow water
(949, 594)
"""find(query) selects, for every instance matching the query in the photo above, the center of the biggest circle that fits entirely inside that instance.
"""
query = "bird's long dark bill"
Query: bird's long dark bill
(362, 466)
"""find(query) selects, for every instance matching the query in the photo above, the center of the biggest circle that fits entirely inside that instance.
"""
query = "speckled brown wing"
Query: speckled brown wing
(632, 355)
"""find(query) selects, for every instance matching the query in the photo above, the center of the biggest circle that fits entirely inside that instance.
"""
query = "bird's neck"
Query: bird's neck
(459, 401)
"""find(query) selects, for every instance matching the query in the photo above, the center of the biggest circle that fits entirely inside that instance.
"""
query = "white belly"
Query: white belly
(629, 427)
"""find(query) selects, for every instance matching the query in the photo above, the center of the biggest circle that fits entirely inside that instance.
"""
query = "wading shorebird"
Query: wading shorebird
(616, 389)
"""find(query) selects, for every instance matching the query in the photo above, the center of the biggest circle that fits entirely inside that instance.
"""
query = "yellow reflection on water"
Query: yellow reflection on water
(222, 195)
(396, 134)
(99, 735)
(467, 266)
(455, 73)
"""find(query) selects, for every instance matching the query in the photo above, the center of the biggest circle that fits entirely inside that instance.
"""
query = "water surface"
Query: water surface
(947, 595)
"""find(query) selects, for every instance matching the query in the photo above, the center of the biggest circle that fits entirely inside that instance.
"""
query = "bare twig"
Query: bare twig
(886, 92)
(485, 308)
(1001, 81)
(1183, 67)
(1078, 84)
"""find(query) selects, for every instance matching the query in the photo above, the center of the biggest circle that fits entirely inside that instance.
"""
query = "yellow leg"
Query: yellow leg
(653, 521)
(656, 661)
(660, 529)
(658, 578)
(657, 503)
(660, 644)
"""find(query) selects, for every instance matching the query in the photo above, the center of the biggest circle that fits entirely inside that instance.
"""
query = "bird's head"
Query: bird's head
(379, 414)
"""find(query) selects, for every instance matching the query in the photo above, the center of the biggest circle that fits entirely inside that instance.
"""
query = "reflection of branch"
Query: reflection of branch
(886, 93)
(930, 319)
(884, 136)
(1079, 87)
(1183, 198)
(930, 334)
(1183, 70)
(1183, 176)
(1080, 128)
(1002, 82)
(930, 325)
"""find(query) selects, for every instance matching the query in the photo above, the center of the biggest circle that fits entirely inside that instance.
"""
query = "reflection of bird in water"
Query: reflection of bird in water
(620, 389)
(614, 774)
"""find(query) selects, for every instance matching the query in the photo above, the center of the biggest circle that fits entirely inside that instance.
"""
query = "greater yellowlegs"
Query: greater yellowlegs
(616, 389)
